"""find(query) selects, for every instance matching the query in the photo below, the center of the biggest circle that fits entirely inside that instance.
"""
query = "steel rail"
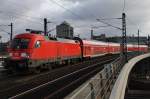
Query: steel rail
(30, 93)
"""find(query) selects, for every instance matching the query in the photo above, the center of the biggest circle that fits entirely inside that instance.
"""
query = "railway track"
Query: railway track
(37, 80)
(4, 74)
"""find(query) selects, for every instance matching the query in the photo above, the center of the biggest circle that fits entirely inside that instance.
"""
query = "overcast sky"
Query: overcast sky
(81, 14)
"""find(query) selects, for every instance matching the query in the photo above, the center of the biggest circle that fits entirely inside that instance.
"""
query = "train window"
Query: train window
(20, 43)
(37, 44)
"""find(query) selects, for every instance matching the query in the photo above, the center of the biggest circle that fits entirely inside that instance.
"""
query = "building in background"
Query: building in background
(64, 30)
(118, 39)
(130, 39)
(101, 37)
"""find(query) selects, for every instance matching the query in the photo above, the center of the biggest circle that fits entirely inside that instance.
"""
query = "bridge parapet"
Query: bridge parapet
(118, 91)
(99, 87)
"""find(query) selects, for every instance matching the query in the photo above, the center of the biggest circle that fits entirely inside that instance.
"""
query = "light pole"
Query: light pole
(11, 31)
(1, 42)
(138, 42)
(45, 26)
(123, 29)
(124, 38)
(148, 43)
(91, 34)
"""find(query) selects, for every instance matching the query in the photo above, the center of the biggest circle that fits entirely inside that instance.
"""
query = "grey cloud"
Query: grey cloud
(137, 11)
(84, 15)
(77, 0)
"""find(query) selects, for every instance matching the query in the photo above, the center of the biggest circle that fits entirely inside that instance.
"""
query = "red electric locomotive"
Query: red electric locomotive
(35, 52)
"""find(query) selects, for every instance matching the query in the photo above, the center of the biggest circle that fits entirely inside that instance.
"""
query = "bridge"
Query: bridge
(106, 77)
(117, 81)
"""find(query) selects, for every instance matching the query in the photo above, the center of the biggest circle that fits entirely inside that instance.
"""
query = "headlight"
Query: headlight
(10, 54)
(24, 55)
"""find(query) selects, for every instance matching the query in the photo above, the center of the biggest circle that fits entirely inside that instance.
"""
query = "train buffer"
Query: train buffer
(117, 81)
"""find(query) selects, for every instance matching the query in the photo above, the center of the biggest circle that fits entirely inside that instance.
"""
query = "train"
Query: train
(34, 52)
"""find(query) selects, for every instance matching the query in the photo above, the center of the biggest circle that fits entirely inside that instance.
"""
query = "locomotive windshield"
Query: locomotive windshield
(20, 43)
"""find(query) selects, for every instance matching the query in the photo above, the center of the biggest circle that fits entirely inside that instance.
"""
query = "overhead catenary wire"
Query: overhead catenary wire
(18, 16)
(110, 18)
(108, 24)
(4, 31)
(31, 21)
(27, 8)
(60, 5)
(3, 25)
(103, 19)
(30, 18)
(89, 13)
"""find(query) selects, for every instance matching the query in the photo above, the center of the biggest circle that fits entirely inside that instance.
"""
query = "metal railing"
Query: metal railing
(99, 87)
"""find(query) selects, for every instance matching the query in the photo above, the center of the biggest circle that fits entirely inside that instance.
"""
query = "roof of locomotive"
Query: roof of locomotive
(42, 37)
(29, 35)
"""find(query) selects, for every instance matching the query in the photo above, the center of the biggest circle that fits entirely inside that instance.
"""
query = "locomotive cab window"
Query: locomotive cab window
(37, 44)
(20, 43)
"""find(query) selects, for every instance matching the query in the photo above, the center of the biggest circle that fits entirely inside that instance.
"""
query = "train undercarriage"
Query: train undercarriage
(35, 66)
